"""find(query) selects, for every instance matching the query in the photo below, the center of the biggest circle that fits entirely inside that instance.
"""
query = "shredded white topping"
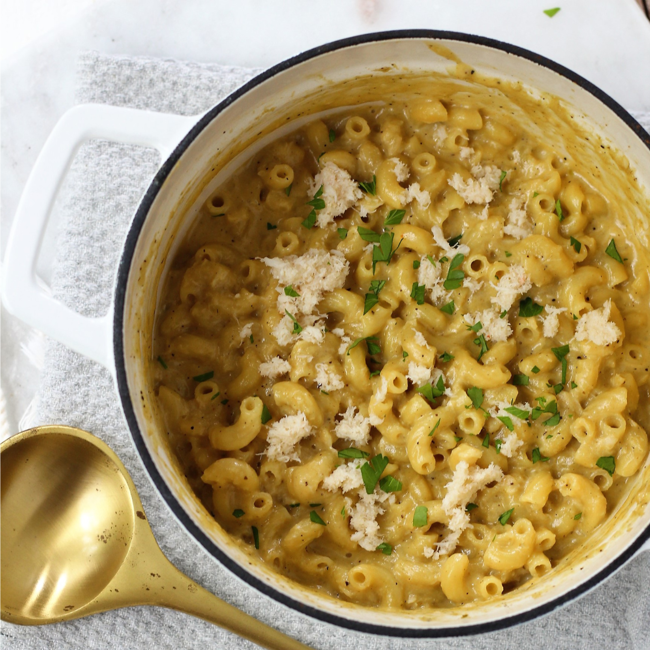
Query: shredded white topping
(441, 242)
(494, 327)
(552, 322)
(353, 427)
(513, 283)
(246, 331)
(327, 378)
(479, 189)
(509, 444)
(284, 435)
(311, 275)
(419, 375)
(518, 225)
(596, 327)
(340, 192)
(465, 483)
(275, 367)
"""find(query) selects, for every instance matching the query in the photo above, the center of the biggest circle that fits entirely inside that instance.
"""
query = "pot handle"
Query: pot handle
(24, 294)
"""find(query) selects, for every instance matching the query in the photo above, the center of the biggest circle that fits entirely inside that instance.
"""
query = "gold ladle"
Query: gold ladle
(75, 540)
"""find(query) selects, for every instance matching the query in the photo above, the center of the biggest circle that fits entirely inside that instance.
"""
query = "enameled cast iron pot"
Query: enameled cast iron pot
(193, 147)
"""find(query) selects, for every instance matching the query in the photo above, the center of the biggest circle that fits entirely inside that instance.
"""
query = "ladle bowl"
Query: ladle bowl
(76, 541)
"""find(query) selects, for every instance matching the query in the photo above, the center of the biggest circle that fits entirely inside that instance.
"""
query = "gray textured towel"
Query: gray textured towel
(103, 189)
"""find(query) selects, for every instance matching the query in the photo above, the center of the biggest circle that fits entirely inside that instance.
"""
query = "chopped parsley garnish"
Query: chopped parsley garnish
(371, 471)
(486, 440)
(445, 357)
(368, 235)
(394, 217)
(520, 380)
(332, 135)
(238, 513)
(215, 396)
(608, 463)
(453, 242)
(503, 314)
(343, 511)
(375, 373)
(558, 210)
(204, 377)
(528, 308)
(315, 505)
(390, 484)
(290, 291)
(224, 401)
(266, 414)
(578, 516)
(343, 233)
(270, 226)
(324, 392)
(420, 516)
(404, 354)
(449, 308)
(543, 407)
(296, 325)
(316, 204)
(470, 506)
(576, 244)
(476, 395)
(315, 518)
(385, 548)
(507, 422)
(372, 298)
(251, 339)
(508, 254)
(535, 369)
(560, 354)
(371, 344)
(441, 260)
(384, 252)
(537, 456)
(293, 505)
(497, 445)
(431, 392)
(501, 179)
(553, 421)
(352, 452)
(416, 264)
(417, 293)
(457, 438)
(477, 327)
(551, 12)
(256, 537)
(574, 385)
(369, 187)
(161, 361)
(503, 519)
(613, 252)
(287, 191)
(455, 275)
(517, 412)
(435, 426)
(482, 344)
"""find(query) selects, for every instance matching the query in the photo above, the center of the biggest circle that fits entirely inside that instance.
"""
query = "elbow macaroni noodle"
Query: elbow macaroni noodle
(411, 357)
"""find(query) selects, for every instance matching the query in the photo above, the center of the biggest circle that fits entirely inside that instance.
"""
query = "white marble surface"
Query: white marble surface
(606, 41)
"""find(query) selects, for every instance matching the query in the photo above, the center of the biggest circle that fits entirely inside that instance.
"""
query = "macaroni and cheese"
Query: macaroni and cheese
(403, 352)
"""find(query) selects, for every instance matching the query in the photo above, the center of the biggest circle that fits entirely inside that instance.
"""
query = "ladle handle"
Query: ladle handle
(190, 598)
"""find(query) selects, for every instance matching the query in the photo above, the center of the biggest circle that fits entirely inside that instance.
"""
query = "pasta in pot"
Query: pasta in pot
(403, 356)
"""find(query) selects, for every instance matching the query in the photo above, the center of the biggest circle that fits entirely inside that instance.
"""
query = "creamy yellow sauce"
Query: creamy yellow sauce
(550, 436)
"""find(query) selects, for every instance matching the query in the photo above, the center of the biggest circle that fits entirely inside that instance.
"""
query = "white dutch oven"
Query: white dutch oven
(121, 341)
